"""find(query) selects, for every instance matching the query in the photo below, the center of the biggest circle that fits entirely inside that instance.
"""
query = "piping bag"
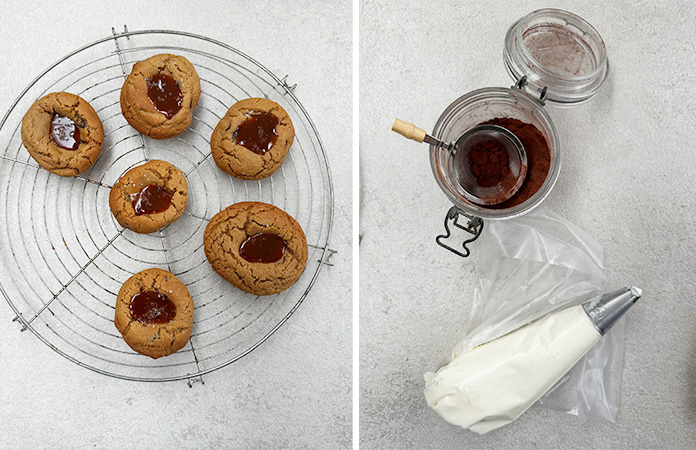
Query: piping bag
(495, 383)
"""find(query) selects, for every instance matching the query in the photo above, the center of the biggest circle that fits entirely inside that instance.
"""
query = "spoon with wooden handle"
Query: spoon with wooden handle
(511, 178)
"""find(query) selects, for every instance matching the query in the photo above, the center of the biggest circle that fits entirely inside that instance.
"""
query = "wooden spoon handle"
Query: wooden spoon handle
(408, 130)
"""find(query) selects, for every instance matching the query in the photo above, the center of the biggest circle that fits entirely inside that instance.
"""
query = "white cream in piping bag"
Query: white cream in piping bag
(493, 384)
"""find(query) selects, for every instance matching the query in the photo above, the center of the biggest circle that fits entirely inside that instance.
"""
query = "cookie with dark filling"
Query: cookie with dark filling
(257, 247)
(63, 133)
(251, 141)
(154, 313)
(160, 94)
(149, 197)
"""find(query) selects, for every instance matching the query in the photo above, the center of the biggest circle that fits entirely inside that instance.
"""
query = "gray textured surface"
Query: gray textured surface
(294, 391)
(627, 179)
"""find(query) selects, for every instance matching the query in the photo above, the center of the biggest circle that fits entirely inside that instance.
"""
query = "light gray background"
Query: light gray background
(294, 391)
(627, 178)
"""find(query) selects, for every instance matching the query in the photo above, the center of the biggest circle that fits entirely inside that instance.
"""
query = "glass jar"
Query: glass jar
(480, 106)
(553, 56)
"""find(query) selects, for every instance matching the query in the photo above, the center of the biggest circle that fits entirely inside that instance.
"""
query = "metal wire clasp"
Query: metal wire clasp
(522, 83)
(474, 226)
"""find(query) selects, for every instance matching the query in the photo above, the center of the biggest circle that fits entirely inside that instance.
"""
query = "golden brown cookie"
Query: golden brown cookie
(252, 139)
(257, 247)
(149, 197)
(62, 133)
(154, 313)
(159, 95)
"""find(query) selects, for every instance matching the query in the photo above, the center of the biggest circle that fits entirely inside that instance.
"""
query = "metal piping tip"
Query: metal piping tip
(606, 309)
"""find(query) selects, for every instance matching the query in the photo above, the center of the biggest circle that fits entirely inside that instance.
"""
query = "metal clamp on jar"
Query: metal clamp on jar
(553, 56)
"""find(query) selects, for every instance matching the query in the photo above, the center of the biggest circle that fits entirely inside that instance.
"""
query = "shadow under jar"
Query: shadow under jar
(553, 56)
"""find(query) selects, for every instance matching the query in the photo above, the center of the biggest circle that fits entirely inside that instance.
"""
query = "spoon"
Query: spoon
(470, 148)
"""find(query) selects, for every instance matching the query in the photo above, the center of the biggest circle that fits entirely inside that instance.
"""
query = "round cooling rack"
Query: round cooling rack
(64, 256)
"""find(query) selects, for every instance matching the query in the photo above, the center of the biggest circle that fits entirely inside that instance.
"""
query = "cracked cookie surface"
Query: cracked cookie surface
(139, 110)
(156, 172)
(229, 228)
(36, 137)
(155, 340)
(241, 162)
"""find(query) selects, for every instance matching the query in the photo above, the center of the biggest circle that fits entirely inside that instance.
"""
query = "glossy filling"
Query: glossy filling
(151, 199)
(150, 307)
(263, 248)
(165, 94)
(258, 132)
(64, 132)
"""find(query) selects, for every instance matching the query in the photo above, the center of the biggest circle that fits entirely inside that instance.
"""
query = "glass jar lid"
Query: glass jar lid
(562, 56)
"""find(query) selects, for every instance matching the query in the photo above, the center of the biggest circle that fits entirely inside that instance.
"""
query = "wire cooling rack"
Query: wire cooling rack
(64, 256)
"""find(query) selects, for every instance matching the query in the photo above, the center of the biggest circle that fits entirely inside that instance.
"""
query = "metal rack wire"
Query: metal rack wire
(64, 256)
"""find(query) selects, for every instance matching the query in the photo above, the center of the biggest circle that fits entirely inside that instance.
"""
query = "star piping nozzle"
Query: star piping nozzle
(605, 310)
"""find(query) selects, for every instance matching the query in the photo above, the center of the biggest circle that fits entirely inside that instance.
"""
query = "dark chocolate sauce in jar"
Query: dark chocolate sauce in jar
(263, 248)
(151, 199)
(258, 132)
(64, 132)
(150, 307)
(165, 94)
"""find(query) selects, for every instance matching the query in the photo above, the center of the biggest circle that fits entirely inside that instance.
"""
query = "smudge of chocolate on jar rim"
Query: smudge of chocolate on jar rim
(258, 132)
(64, 132)
(538, 158)
(165, 94)
(151, 199)
(263, 248)
(151, 307)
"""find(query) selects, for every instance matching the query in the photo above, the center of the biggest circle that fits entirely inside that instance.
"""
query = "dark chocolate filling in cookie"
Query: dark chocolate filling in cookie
(152, 307)
(263, 248)
(64, 132)
(151, 199)
(258, 132)
(165, 94)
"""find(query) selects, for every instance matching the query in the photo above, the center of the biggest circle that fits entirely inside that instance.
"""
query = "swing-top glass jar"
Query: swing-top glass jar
(553, 56)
